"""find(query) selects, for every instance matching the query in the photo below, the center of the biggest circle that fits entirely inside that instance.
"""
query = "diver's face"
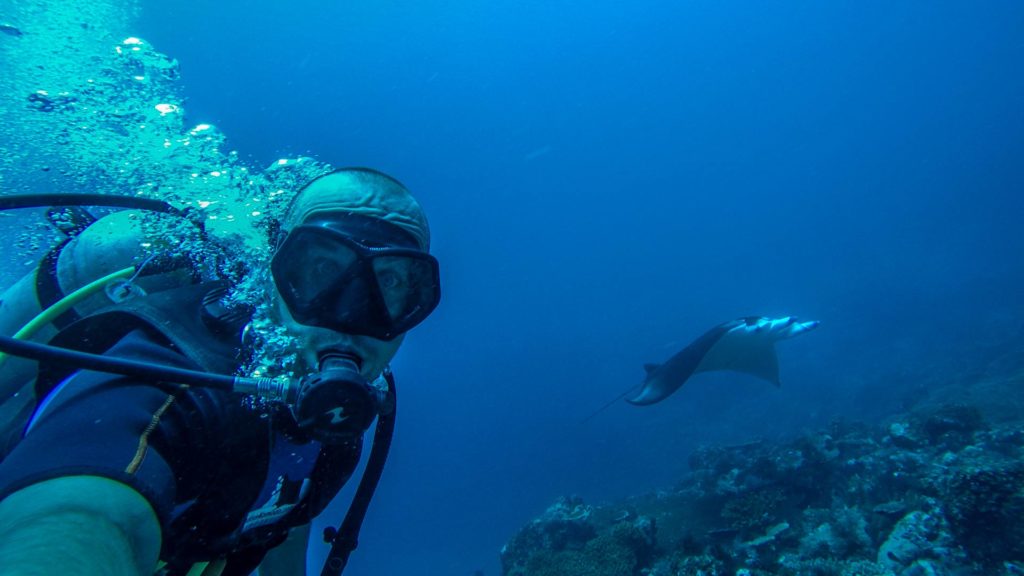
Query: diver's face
(373, 354)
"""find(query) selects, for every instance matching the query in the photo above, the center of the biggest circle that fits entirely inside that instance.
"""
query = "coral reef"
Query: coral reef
(985, 507)
(935, 492)
(564, 540)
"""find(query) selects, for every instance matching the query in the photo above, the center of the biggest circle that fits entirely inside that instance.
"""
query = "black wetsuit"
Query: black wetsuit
(223, 478)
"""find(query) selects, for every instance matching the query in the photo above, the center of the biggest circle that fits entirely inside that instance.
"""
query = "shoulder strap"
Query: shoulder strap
(175, 315)
(48, 290)
(71, 221)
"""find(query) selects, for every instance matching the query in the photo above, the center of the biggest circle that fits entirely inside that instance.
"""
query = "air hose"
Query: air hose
(269, 388)
(66, 303)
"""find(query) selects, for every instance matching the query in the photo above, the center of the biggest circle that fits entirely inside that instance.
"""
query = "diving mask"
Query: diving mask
(357, 275)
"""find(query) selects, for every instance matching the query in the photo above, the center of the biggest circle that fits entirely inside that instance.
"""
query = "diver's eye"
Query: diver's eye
(389, 280)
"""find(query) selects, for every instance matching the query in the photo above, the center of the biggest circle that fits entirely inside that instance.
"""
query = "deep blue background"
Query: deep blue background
(607, 180)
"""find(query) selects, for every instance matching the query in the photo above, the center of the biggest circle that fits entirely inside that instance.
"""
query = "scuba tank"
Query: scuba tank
(102, 247)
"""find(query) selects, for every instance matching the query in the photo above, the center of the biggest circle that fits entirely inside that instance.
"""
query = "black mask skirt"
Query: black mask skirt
(357, 275)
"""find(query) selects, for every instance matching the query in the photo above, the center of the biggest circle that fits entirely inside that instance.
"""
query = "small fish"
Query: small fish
(10, 29)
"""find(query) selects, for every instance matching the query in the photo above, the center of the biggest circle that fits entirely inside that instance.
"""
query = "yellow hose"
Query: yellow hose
(66, 303)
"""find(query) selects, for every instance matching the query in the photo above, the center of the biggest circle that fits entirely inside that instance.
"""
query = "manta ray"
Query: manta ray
(743, 345)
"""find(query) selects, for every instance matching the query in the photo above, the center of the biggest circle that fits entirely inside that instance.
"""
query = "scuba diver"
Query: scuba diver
(142, 452)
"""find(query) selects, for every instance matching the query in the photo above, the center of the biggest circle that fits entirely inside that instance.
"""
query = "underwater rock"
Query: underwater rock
(840, 532)
(823, 446)
(819, 541)
(1013, 569)
(952, 425)
(900, 435)
(678, 564)
(565, 525)
(894, 509)
(645, 530)
(753, 510)
(566, 539)
(797, 566)
(917, 536)
(619, 551)
(922, 568)
(768, 536)
(985, 507)
(932, 492)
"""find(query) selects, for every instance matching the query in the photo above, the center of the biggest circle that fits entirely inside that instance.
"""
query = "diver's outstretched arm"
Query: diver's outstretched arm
(83, 525)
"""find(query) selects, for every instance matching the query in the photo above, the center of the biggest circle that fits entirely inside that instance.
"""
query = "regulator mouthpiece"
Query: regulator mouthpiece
(337, 403)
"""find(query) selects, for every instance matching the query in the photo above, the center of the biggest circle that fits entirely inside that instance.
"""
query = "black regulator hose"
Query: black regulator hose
(50, 199)
(62, 199)
(345, 538)
(264, 387)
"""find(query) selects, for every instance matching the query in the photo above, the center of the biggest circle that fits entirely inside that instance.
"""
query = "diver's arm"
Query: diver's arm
(83, 525)
(288, 559)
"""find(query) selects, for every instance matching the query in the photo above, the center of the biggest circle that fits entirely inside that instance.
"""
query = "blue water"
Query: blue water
(606, 181)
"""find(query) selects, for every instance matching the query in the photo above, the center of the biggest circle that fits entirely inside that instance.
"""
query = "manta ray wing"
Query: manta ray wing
(664, 379)
(742, 353)
(749, 346)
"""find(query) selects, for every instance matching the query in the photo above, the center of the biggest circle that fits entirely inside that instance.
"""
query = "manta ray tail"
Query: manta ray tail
(608, 404)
